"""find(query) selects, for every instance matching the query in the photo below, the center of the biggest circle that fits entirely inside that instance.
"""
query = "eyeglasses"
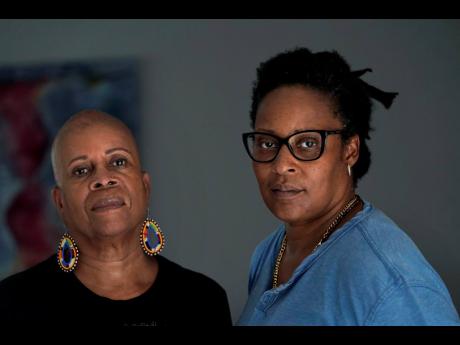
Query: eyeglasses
(305, 146)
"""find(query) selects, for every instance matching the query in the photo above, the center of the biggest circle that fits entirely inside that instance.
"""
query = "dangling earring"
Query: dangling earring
(349, 170)
(152, 238)
(67, 255)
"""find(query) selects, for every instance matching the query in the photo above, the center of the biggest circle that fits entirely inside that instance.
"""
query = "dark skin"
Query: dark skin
(102, 197)
(306, 196)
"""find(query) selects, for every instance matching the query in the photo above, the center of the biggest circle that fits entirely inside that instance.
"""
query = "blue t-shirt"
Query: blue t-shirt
(369, 272)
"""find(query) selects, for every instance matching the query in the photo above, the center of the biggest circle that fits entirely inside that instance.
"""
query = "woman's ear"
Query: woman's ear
(351, 150)
(146, 182)
(56, 196)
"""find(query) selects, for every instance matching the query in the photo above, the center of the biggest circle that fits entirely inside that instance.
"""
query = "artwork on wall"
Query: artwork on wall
(35, 101)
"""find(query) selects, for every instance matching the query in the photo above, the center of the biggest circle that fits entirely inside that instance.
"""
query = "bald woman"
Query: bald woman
(107, 269)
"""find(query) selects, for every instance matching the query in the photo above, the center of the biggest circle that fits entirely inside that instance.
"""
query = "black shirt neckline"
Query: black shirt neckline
(156, 284)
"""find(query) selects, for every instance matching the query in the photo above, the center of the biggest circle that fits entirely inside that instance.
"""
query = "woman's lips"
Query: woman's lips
(286, 191)
(106, 204)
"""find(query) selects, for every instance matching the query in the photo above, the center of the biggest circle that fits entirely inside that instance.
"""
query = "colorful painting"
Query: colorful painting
(35, 101)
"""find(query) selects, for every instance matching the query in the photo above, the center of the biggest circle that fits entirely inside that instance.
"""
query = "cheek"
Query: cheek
(316, 176)
(73, 199)
(325, 178)
(137, 191)
(74, 207)
(262, 173)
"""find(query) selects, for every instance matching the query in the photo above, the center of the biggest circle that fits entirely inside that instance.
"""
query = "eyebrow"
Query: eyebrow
(77, 158)
(269, 131)
(109, 151)
(117, 149)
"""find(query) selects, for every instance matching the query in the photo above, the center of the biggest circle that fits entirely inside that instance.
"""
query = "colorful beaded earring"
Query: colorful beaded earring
(152, 238)
(67, 255)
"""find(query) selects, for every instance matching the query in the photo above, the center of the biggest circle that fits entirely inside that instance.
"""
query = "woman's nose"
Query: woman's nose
(103, 181)
(284, 162)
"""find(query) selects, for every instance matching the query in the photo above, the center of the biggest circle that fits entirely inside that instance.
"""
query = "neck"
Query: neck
(115, 269)
(304, 237)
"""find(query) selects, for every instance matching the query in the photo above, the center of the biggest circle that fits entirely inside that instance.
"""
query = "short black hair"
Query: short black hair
(329, 73)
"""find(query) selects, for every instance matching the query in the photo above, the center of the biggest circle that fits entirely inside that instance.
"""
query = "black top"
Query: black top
(45, 294)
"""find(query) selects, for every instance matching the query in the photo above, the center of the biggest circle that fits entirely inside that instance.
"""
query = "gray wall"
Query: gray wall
(197, 78)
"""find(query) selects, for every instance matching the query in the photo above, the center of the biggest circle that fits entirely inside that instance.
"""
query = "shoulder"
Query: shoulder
(384, 254)
(390, 245)
(377, 261)
(197, 297)
(190, 296)
(176, 275)
(24, 293)
(29, 277)
(375, 238)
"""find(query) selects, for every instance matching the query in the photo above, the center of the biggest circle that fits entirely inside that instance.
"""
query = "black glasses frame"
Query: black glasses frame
(285, 141)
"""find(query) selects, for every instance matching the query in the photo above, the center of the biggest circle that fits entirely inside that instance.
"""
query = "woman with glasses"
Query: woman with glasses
(336, 259)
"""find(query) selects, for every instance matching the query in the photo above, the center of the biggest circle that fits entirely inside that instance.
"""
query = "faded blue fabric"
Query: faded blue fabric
(369, 272)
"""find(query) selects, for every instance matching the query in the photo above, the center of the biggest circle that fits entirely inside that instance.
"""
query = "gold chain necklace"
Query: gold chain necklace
(348, 207)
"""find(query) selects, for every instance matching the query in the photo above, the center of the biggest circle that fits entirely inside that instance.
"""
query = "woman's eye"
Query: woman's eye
(80, 172)
(267, 144)
(308, 144)
(121, 162)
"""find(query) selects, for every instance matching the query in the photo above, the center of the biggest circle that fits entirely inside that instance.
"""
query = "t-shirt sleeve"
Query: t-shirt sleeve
(413, 305)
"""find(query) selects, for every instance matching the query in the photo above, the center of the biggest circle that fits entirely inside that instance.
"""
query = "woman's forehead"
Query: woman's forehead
(100, 138)
(291, 108)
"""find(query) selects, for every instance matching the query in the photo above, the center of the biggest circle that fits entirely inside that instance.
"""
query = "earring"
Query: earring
(152, 238)
(349, 170)
(67, 254)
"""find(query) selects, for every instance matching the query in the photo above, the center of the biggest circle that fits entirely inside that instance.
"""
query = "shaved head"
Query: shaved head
(79, 122)
(101, 189)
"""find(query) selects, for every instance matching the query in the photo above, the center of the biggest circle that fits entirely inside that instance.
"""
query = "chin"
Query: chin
(288, 214)
(111, 227)
(110, 231)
